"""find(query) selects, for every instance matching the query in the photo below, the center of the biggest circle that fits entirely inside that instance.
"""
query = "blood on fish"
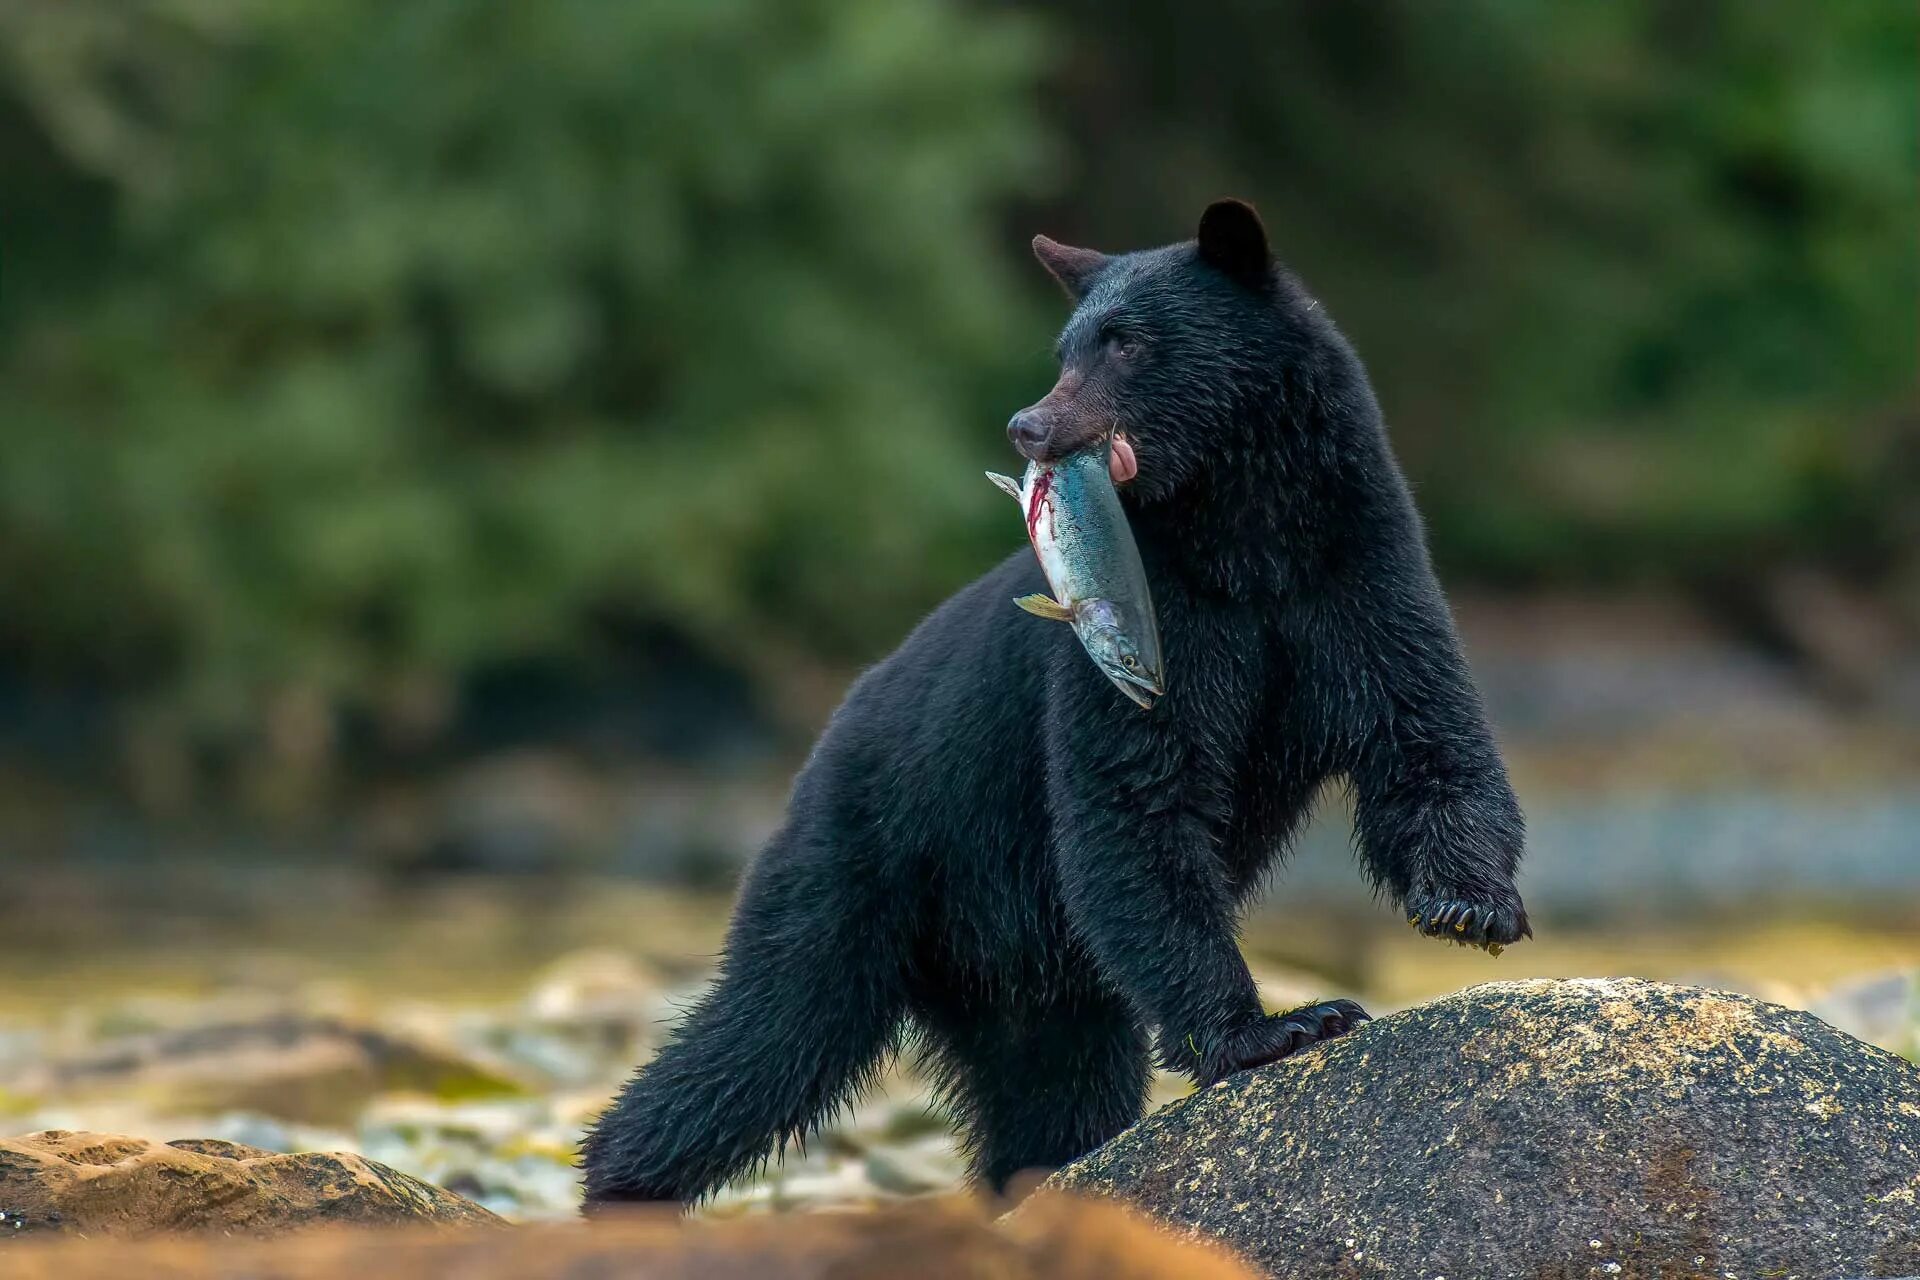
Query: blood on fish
(1042, 484)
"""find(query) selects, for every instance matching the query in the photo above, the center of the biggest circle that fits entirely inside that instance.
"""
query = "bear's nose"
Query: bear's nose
(1027, 432)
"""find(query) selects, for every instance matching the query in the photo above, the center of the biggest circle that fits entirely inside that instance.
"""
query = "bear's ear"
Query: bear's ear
(1073, 268)
(1232, 239)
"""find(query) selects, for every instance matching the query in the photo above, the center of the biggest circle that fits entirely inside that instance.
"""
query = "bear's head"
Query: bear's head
(1175, 351)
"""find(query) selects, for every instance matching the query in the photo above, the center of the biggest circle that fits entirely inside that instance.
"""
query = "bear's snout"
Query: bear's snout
(1057, 425)
(1027, 430)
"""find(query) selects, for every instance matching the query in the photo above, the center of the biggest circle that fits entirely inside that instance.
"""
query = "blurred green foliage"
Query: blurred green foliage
(350, 340)
(345, 344)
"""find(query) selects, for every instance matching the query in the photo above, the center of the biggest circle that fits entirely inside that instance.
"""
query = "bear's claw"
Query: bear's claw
(1278, 1035)
(1470, 923)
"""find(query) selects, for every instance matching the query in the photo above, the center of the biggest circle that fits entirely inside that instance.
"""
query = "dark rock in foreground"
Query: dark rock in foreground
(925, 1240)
(99, 1184)
(1548, 1129)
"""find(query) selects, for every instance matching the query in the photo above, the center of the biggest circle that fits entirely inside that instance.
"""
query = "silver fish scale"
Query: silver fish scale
(1097, 550)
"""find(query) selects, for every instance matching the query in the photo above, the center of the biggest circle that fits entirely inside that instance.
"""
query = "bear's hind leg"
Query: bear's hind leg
(807, 1009)
(1037, 1088)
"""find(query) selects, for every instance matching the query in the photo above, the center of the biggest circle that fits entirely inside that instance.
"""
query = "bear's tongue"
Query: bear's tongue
(1120, 463)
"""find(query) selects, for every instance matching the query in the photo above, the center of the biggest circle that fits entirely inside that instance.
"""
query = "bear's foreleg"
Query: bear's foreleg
(1135, 850)
(1440, 829)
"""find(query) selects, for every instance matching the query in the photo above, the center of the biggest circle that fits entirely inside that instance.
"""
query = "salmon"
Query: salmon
(1092, 566)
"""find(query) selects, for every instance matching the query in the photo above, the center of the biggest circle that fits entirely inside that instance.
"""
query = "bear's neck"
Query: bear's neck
(1218, 536)
(1259, 523)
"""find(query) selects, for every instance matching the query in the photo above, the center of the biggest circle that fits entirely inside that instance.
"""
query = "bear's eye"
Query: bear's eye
(1123, 346)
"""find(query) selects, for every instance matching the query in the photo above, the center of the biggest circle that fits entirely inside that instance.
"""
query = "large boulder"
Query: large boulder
(100, 1184)
(1548, 1129)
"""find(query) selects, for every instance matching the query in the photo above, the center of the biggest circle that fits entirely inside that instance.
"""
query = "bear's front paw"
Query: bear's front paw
(1470, 921)
(1273, 1037)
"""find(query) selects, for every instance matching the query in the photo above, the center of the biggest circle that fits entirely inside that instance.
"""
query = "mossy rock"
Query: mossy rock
(98, 1184)
(1548, 1129)
(313, 1070)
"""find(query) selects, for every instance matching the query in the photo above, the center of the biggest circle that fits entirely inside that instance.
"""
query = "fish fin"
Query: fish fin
(1041, 606)
(1009, 486)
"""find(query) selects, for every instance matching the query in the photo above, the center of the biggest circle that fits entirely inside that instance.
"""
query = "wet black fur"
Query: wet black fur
(995, 856)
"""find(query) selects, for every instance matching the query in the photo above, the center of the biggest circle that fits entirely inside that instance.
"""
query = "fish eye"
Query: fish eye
(1130, 662)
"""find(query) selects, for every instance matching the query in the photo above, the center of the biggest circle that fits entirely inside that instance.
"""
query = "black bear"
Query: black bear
(994, 856)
